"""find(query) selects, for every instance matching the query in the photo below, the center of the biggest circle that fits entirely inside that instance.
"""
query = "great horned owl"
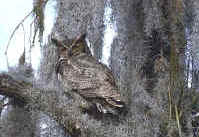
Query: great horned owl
(87, 76)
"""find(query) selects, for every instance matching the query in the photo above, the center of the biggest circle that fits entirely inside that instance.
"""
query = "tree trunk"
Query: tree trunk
(146, 59)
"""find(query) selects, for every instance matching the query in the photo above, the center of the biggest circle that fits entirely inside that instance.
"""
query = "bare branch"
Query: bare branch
(68, 114)
(16, 28)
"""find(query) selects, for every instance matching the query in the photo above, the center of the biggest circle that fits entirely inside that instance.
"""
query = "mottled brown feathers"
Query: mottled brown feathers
(86, 75)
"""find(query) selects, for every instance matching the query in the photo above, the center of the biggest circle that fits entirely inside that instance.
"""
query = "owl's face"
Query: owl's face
(62, 50)
(79, 46)
(67, 50)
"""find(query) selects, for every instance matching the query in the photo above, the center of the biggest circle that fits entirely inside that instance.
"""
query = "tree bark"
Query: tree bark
(142, 40)
(68, 115)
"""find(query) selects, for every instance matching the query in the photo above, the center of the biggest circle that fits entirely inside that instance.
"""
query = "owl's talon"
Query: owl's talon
(100, 108)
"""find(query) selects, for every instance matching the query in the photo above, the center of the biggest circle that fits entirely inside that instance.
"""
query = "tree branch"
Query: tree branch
(66, 113)
(11, 87)
(16, 28)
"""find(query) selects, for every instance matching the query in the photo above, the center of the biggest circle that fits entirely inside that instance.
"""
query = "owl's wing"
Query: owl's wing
(78, 77)
(85, 72)
(92, 66)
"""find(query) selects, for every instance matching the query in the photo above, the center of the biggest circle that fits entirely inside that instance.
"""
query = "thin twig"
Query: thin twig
(170, 103)
(24, 38)
(16, 28)
(7, 62)
(30, 36)
(178, 121)
(34, 36)
(30, 41)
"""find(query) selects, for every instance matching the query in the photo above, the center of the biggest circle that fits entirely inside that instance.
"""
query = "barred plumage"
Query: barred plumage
(87, 76)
